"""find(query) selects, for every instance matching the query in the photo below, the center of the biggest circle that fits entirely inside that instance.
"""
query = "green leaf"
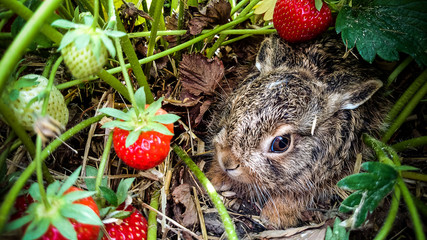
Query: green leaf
(36, 229)
(132, 137)
(318, 4)
(338, 233)
(35, 192)
(358, 181)
(121, 214)
(65, 227)
(68, 38)
(109, 45)
(406, 168)
(114, 34)
(119, 124)
(77, 195)
(53, 188)
(109, 195)
(123, 189)
(18, 223)
(91, 173)
(351, 202)
(104, 211)
(152, 109)
(13, 95)
(157, 127)
(82, 41)
(116, 113)
(380, 169)
(140, 98)
(96, 47)
(385, 27)
(27, 81)
(166, 118)
(70, 181)
(81, 213)
(62, 23)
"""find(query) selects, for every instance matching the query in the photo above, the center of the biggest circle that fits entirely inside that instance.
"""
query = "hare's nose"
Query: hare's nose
(233, 170)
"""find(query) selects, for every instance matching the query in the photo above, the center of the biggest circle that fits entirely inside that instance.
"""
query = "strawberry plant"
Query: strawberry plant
(66, 212)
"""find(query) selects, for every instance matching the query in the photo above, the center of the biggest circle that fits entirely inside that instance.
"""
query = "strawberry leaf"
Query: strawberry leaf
(96, 43)
(70, 181)
(123, 189)
(109, 45)
(27, 81)
(109, 195)
(112, 112)
(132, 137)
(65, 227)
(165, 118)
(81, 213)
(318, 4)
(61, 23)
(77, 195)
(140, 98)
(121, 214)
(36, 229)
(385, 27)
(338, 233)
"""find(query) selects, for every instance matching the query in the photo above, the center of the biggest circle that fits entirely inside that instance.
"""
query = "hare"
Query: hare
(293, 128)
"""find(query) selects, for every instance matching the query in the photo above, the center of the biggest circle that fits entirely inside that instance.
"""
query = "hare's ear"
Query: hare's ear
(355, 95)
(272, 54)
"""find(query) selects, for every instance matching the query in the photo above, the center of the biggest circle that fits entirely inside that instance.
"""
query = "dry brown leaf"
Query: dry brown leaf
(182, 195)
(200, 75)
(214, 13)
(314, 232)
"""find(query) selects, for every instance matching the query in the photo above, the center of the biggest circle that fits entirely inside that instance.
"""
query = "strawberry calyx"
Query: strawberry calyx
(83, 35)
(59, 210)
(140, 118)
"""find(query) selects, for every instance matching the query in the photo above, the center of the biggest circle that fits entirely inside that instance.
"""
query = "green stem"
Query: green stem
(39, 171)
(415, 176)
(260, 31)
(114, 83)
(103, 163)
(152, 217)
(95, 14)
(186, 44)
(238, 6)
(9, 199)
(129, 85)
(411, 143)
(418, 228)
(48, 66)
(226, 220)
(158, 6)
(263, 30)
(133, 60)
(406, 96)
(388, 223)
(223, 36)
(50, 84)
(408, 109)
(392, 77)
(25, 37)
(7, 146)
(379, 148)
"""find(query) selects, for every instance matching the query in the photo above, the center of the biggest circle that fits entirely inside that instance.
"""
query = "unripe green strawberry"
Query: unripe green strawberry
(26, 114)
(85, 48)
(83, 62)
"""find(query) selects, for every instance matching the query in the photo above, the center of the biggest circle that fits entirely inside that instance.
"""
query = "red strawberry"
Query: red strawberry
(142, 135)
(299, 20)
(148, 151)
(131, 227)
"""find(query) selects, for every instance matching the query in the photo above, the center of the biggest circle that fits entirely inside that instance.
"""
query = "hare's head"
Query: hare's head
(294, 123)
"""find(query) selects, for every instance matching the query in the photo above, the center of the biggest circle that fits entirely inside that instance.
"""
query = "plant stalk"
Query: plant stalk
(152, 217)
(103, 163)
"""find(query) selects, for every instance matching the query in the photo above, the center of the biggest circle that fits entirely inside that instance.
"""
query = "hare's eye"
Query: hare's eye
(280, 143)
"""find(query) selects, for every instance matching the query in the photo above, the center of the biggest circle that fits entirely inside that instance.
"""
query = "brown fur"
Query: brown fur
(296, 86)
